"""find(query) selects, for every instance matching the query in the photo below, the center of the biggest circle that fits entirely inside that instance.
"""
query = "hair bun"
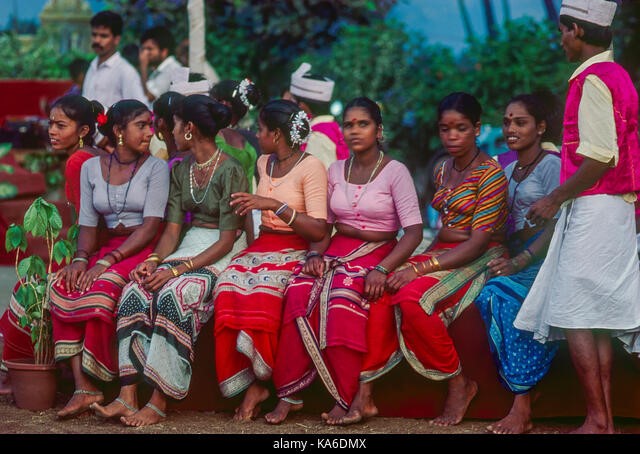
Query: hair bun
(220, 113)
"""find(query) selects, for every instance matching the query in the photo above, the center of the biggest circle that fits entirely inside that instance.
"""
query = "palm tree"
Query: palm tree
(466, 21)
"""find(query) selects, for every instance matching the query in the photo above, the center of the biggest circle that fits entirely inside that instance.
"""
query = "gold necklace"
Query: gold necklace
(366, 185)
(273, 161)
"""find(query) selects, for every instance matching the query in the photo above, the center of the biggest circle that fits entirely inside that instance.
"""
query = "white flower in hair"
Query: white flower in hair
(298, 122)
(242, 90)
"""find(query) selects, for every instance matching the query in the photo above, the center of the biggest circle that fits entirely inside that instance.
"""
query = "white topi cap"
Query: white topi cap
(180, 83)
(598, 12)
(316, 90)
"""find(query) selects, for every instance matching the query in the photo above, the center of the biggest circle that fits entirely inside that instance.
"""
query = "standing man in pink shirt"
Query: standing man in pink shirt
(587, 289)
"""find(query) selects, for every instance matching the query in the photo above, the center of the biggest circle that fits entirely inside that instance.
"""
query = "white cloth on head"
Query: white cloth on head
(590, 278)
(598, 12)
(316, 90)
(111, 81)
(160, 79)
(180, 83)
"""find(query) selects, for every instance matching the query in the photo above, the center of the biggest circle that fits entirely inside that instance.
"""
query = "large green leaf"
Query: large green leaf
(6, 168)
(31, 267)
(35, 219)
(26, 296)
(62, 250)
(72, 234)
(15, 238)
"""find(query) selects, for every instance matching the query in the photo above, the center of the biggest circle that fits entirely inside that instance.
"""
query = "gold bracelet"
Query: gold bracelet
(153, 259)
(153, 254)
(424, 265)
(434, 262)
(416, 270)
(293, 217)
(175, 272)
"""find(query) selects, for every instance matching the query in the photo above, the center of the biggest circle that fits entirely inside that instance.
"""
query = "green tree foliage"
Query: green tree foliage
(524, 57)
(38, 59)
(255, 38)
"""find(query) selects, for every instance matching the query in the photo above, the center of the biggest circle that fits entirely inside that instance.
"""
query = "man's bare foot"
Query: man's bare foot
(361, 408)
(591, 427)
(334, 417)
(146, 416)
(518, 421)
(250, 407)
(280, 413)
(118, 407)
(80, 402)
(461, 391)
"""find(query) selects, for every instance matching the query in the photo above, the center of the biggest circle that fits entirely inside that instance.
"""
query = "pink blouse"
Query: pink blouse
(387, 203)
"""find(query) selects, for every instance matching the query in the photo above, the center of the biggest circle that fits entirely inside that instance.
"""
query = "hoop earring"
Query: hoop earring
(160, 136)
(188, 136)
(120, 140)
(80, 143)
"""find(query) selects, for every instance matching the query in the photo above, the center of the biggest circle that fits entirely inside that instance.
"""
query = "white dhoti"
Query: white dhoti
(590, 278)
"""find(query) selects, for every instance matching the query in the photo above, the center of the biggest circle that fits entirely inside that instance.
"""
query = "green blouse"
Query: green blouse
(228, 178)
(246, 156)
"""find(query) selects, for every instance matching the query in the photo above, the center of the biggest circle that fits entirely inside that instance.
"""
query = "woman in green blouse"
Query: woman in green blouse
(161, 312)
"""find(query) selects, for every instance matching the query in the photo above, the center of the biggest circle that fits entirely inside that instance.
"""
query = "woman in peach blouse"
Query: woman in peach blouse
(292, 195)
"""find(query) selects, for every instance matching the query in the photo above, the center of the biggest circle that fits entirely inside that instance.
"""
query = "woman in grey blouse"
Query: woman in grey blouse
(161, 312)
(127, 191)
(522, 361)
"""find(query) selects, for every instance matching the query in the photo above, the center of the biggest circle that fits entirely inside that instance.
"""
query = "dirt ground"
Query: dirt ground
(16, 421)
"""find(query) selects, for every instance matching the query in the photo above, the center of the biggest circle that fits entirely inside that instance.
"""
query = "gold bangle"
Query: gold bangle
(434, 262)
(153, 254)
(424, 265)
(175, 272)
(153, 259)
(293, 217)
(415, 269)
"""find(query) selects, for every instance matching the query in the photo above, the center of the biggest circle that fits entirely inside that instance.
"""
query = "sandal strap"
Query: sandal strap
(291, 401)
(156, 409)
(126, 405)
(86, 391)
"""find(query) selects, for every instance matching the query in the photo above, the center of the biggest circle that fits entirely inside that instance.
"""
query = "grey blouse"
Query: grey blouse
(539, 183)
(147, 196)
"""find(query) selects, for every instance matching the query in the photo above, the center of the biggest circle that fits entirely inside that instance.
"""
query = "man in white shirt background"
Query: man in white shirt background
(110, 77)
(156, 45)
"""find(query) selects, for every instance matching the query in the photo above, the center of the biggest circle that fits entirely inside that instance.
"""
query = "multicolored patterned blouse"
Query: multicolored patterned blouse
(478, 203)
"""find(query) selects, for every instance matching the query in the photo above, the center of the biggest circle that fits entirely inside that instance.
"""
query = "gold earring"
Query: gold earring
(120, 140)
(80, 143)
(188, 136)
(160, 136)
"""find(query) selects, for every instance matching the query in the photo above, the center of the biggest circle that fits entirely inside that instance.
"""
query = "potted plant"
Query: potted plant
(34, 381)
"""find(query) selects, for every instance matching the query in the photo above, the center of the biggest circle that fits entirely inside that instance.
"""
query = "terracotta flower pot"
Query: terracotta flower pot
(34, 385)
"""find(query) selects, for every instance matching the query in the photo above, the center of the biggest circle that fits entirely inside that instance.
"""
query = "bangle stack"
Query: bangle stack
(154, 257)
(174, 271)
(104, 263)
(435, 264)
(293, 217)
(415, 268)
(188, 264)
(381, 269)
(280, 210)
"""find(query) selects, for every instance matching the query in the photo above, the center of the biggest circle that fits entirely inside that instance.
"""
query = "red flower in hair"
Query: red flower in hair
(102, 119)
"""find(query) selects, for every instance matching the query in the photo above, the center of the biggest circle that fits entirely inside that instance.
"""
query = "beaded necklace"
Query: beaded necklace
(192, 177)
(366, 185)
(126, 193)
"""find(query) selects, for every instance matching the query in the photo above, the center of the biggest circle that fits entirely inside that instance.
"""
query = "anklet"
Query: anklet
(292, 401)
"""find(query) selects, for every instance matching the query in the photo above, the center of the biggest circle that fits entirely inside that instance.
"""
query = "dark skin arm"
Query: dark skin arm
(314, 266)
(248, 228)
(154, 280)
(588, 174)
(136, 241)
(538, 248)
(70, 275)
(375, 280)
(311, 229)
(465, 252)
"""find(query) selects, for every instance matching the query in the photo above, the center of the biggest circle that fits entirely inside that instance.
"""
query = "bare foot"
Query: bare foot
(279, 414)
(80, 402)
(250, 407)
(334, 417)
(461, 391)
(118, 407)
(361, 408)
(146, 416)
(591, 427)
(513, 423)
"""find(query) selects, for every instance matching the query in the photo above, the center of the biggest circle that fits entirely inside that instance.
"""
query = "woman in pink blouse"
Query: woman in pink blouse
(329, 322)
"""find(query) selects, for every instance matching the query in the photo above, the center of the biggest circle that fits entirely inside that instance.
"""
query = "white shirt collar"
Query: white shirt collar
(169, 61)
(109, 62)
(606, 56)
